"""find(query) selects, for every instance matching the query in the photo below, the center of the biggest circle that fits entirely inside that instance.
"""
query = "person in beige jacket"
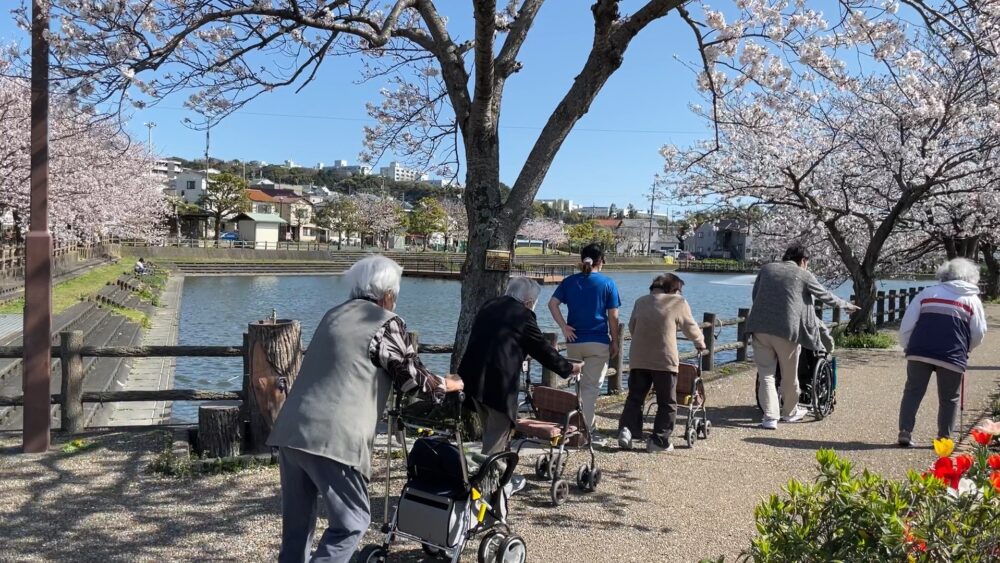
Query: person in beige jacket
(654, 360)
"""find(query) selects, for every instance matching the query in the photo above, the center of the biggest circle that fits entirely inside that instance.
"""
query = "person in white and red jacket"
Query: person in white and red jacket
(942, 324)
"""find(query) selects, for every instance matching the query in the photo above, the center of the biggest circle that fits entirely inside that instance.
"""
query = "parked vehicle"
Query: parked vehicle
(686, 256)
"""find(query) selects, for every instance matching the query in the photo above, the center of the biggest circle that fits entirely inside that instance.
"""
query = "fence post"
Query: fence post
(837, 316)
(617, 362)
(708, 360)
(550, 378)
(893, 305)
(414, 337)
(904, 300)
(912, 295)
(880, 308)
(71, 410)
(741, 335)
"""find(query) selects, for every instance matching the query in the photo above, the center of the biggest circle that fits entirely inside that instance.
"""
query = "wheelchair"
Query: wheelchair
(817, 383)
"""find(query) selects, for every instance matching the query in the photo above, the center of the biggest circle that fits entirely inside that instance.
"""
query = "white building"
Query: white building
(446, 183)
(399, 173)
(291, 164)
(596, 211)
(341, 169)
(259, 228)
(190, 185)
(560, 205)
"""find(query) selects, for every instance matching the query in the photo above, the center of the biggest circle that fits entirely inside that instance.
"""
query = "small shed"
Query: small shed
(259, 228)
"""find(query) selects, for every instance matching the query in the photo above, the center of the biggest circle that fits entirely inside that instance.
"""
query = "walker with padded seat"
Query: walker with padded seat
(691, 397)
(442, 506)
(558, 421)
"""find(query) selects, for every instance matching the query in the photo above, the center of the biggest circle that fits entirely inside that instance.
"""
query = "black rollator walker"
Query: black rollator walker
(441, 506)
(817, 383)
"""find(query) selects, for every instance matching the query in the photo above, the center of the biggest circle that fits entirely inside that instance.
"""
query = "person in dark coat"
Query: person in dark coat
(504, 332)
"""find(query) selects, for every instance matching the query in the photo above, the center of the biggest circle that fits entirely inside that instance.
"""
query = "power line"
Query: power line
(521, 127)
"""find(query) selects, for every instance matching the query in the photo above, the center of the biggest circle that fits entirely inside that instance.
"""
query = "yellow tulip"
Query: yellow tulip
(944, 446)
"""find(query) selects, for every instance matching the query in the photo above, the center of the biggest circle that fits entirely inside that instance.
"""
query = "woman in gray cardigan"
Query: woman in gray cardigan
(782, 320)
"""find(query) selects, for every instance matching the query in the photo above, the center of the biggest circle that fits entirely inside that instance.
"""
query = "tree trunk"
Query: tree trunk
(218, 226)
(275, 355)
(219, 430)
(992, 290)
(865, 293)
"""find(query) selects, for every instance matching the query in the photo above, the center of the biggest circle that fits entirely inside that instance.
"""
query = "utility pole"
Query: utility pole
(37, 329)
(149, 134)
(652, 206)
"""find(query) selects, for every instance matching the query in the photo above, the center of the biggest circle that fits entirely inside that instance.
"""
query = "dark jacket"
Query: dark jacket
(504, 332)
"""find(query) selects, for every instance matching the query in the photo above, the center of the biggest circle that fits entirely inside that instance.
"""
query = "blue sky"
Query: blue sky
(610, 157)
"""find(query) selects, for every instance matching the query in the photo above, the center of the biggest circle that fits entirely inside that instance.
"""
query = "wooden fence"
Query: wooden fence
(12, 256)
(890, 307)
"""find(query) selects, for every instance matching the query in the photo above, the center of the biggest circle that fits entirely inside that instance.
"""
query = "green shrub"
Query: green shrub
(877, 340)
(847, 516)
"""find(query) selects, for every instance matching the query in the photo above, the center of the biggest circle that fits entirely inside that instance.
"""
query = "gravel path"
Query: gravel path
(101, 504)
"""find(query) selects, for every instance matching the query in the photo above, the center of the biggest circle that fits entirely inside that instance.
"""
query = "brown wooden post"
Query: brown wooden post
(912, 296)
(618, 363)
(838, 314)
(245, 405)
(550, 378)
(742, 336)
(893, 305)
(275, 354)
(414, 337)
(708, 360)
(880, 308)
(220, 433)
(71, 409)
(37, 331)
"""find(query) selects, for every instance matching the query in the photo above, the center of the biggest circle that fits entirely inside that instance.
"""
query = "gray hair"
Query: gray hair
(959, 269)
(372, 277)
(523, 289)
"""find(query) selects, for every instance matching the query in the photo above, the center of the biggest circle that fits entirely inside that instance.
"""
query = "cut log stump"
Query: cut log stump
(220, 433)
(274, 355)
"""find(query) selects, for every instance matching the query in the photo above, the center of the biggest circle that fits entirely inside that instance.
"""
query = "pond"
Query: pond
(215, 310)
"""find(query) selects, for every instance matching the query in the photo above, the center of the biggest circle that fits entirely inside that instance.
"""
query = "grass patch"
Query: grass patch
(133, 315)
(68, 293)
(78, 445)
(878, 340)
(535, 251)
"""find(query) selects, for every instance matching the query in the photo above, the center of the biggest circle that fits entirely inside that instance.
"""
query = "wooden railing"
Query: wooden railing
(890, 307)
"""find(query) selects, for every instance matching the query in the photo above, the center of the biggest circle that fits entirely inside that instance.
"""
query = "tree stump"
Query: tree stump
(275, 355)
(219, 430)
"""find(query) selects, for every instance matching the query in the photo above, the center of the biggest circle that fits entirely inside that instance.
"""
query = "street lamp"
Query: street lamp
(149, 125)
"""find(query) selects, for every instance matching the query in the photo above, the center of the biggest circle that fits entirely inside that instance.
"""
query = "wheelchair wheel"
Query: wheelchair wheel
(822, 389)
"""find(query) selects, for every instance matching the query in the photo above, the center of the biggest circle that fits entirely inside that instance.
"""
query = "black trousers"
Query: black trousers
(664, 383)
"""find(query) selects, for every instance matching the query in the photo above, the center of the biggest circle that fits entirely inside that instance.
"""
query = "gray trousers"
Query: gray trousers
(345, 492)
(949, 387)
(496, 429)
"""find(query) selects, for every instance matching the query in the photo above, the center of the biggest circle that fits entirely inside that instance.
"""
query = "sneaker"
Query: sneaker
(625, 439)
(517, 483)
(654, 448)
(796, 415)
(904, 439)
(769, 424)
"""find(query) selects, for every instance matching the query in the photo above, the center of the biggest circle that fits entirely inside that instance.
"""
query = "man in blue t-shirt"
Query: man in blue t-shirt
(592, 302)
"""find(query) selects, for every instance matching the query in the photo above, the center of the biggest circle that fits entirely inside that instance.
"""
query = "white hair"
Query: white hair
(959, 269)
(523, 289)
(372, 277)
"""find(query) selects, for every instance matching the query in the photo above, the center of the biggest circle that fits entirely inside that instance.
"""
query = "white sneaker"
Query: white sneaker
(517, 484)
(625, 439)
(796, 415)
(769, 424)
(654, 448)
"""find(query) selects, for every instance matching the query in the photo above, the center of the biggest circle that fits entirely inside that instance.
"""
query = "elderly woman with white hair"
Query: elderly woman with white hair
(326, 428)
(940, 327)
(504, 332)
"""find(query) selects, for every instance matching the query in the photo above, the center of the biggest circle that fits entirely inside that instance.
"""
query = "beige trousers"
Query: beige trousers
(595, 367)
(770, 352)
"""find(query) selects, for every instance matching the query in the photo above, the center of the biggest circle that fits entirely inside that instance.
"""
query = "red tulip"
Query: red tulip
(982, 438)
(995, 479)
(994, 461)
(944, 469)
(963, 463)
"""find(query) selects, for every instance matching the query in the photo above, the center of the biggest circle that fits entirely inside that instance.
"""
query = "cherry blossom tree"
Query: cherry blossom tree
(550, 232)
(101, 184)
(379, 217)
(841, 164)
(457, 224)
(442, 103)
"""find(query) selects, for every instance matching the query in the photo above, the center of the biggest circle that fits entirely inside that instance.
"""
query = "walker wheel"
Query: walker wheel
(512, 550)
(689, 435)
(489, 547)
(542, 467)
(583, 477)
(431, 551)
(594, 479)
(373, 554)
(559, 492)
(708, 428)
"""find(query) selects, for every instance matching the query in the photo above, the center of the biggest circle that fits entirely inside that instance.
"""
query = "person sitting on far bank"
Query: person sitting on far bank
(782, 319)
(654, 360)
(504, 332)
(326, 428)
(140, 267)
(939, 329)
(591, 331)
